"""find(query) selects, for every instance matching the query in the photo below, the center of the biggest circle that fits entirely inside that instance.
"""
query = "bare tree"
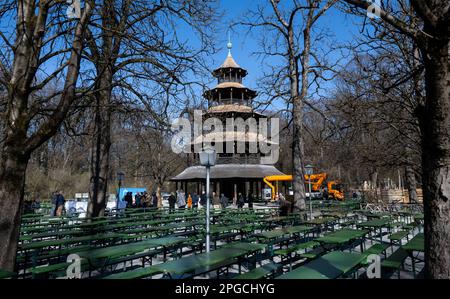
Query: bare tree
(296, 38)
(136, 41)
(432, 36)
(31, 119)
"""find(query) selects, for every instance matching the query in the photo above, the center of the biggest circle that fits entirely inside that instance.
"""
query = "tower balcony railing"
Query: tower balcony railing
(228, 79)
(226, 101)
(236, 159)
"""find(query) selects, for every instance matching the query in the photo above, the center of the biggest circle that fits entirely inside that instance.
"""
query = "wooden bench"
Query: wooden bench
(134, 274)
(396, 238)
(375, 249)
(261, 272)
(396, 260)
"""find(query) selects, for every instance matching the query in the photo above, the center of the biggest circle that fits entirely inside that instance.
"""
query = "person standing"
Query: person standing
(172, 200)
(54, 197)
(154, 200)
(250, 201)
(215, 199)
(138, 199)
(60, 201)
(128, 199)
(145, 200)
(285, 206)
(189, 201)
(325, 193)
(181, 200)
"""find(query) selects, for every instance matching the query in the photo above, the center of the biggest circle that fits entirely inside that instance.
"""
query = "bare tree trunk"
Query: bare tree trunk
(100, 154)
(297, 114)
(158, 195)
(106, 57)
(435, 126)
(12, 180)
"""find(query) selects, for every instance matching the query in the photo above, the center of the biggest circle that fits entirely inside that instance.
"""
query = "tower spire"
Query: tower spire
(229, 45)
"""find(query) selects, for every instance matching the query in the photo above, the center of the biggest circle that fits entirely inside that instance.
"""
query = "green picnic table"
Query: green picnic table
(250, 247)
(280, 232)
(6, 274)
(330, 266)
(209, 261)
(66, 241)
(102, 256)
(379, 224)
(341, 237)
(416, 244)
(203, 263)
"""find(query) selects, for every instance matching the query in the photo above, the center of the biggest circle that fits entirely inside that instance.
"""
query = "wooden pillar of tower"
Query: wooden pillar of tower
(218, 188)
(235, 194)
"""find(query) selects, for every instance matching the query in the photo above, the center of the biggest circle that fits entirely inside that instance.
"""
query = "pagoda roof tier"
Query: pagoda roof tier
(228, 136)
(228, 64)
(224, 171)
(227, 108)
(250, 94)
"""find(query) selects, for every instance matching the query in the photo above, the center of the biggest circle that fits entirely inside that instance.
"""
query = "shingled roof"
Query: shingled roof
(227, 171)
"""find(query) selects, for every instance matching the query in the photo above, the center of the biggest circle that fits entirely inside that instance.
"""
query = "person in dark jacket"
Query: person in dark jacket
(240, 201)
(223, 201)
(154, 200)
(195, 200)
(129, 199)
(172, 200)
(285, 206)
(60, 201)
(325, 194)
(138, 200)
(203, 199)
(250, 201)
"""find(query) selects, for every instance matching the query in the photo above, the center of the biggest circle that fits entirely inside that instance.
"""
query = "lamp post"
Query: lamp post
(120, 176)
(208, 159)
(309, 172)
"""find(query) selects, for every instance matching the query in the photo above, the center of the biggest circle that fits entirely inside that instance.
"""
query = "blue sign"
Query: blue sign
(125, 190)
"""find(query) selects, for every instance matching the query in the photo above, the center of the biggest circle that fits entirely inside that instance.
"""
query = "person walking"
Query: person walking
(240, 201)
(223, 201)
(181, 200)
(203, 199)
(195, 200)
(54, 197)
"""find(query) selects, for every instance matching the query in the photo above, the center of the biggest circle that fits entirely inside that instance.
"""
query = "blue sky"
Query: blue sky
(343, 27)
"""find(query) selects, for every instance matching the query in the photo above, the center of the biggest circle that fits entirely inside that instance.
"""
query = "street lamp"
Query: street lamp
(120, 177)
(208, 159)
(309, 171)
